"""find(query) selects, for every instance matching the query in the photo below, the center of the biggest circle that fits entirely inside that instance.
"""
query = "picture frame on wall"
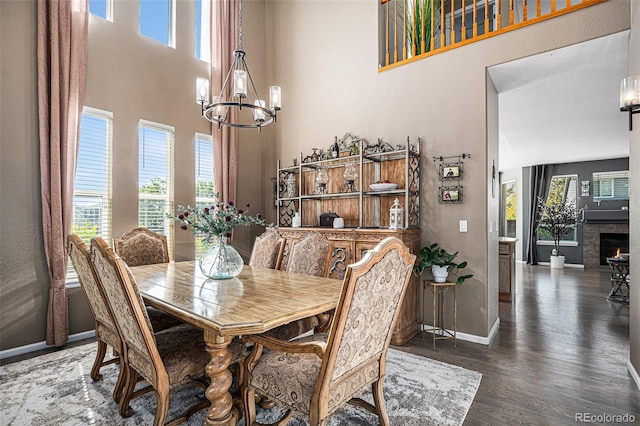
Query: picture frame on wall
(451, 171)
(450, 194)
(584, 188)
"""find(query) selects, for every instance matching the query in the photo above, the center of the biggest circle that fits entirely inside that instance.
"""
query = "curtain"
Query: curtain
(539, 176)
(224, 23)
(62, 63)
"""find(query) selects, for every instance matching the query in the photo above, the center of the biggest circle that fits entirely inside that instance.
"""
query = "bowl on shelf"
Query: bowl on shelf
(383, 186)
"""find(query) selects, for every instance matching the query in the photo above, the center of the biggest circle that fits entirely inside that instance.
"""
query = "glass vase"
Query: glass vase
(221, 261)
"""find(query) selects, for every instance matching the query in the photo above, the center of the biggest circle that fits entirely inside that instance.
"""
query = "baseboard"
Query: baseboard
(566, 265)
(634, 373)
(33, 347)
(471, 337)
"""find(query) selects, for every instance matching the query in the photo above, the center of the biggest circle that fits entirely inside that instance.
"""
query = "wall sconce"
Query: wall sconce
(630, 97)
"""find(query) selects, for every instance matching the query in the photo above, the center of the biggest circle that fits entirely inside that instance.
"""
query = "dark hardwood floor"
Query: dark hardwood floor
(561, 349)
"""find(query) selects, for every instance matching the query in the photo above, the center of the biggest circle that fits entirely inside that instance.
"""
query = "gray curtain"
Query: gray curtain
(62, 63)
(539, 179)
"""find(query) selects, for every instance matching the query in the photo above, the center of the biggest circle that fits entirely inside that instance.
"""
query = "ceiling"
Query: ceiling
(563, 106)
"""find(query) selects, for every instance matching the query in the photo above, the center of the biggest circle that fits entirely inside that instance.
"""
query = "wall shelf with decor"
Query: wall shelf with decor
(341, 184)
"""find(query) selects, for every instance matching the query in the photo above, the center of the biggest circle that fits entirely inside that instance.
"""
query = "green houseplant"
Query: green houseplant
(441, 263)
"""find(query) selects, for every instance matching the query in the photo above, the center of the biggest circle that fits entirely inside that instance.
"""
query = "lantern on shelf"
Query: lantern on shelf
(322, 178)
(350, 175)
(396, 213)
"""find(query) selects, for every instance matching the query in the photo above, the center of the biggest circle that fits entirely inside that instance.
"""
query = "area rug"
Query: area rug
(56, 389)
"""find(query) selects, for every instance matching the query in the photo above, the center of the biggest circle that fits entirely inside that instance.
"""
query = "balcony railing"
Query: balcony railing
(414, 29)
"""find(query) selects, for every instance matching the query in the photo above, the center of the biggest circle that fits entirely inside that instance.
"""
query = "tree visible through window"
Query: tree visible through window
(205, 191)
(155, 178)
(562, 190)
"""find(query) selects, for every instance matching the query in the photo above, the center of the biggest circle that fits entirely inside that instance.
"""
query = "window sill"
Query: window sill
(562, 243)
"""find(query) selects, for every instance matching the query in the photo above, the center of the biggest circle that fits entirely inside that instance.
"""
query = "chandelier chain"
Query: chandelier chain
(240, 27)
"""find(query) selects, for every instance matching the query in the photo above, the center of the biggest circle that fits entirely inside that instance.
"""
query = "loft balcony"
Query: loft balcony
(410, 30)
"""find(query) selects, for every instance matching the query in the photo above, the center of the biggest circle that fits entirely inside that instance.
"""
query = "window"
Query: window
(562, 190)
(609, 186)
(508, 209)
(92, 186)
(155, 178)
(102, 8)
(157, 20)
(203, 19)
(205, 192)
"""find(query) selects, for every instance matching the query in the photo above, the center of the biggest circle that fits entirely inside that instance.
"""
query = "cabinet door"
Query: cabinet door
(362, 247)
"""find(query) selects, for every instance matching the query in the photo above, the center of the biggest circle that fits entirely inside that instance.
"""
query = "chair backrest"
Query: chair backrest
(309, 255)
(141, 246)
(93, 290)
(129, 312)
(267, 250)
(369, 304)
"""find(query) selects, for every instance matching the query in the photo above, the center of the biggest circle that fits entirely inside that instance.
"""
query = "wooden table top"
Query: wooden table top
(255, 301)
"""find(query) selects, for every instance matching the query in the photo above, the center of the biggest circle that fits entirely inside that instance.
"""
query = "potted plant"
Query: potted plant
(559, 220)
(441, 262)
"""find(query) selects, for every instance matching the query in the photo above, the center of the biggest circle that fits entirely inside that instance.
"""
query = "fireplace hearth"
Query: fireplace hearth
(591, 254)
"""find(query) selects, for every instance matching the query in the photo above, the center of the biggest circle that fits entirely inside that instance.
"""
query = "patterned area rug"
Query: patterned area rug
(55, 389)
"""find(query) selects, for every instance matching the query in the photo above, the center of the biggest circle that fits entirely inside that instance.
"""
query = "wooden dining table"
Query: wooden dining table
(255, 301)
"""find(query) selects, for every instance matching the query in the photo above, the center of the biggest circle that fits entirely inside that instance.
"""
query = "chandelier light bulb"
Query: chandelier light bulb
(218, 110)
(240, 84)
(258, 114)
(275, 99)
(202, 90)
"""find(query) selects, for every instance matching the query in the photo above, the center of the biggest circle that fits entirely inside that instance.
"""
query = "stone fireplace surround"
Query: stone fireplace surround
(591, 240)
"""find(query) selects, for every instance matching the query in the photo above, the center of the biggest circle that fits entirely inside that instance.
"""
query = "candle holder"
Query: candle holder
(350, 175)
(322, 178)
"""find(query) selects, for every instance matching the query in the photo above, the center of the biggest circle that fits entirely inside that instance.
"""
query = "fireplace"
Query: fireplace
(592, 256)
(610, 243)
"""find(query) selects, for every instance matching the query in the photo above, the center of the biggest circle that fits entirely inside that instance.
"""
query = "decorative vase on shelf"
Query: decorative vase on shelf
(220, 261)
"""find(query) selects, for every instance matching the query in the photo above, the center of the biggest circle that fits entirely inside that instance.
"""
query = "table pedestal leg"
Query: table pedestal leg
(218, 371)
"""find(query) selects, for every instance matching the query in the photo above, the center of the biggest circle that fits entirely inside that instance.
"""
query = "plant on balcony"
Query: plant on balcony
(441, 263)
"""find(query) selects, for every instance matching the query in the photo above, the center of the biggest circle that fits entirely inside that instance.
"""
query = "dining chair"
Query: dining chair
(308, 256)
(318, 374)
(166, 359)
(106, 331)
(267, 250)
(142, 246)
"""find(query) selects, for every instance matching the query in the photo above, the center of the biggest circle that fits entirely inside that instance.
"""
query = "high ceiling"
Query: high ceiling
(563, 106)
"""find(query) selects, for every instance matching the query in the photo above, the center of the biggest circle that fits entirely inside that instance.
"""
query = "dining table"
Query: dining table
(255, 301)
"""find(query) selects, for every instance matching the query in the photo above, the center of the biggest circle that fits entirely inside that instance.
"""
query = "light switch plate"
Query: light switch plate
(463, 226)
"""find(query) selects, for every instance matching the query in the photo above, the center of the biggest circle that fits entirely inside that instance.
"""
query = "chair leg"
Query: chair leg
(378, 400)
(249, 401)
(131, 378)
(162, 407)
(120, 383)
(97, 363)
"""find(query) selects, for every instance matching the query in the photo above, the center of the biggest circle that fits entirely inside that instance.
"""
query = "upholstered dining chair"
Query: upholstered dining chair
(318, 374)
(141, 246)
(166, 359)
(106, 331)
(267, 250)
(308, 256)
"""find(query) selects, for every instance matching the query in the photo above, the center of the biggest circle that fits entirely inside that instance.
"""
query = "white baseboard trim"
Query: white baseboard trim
(21, 350)
(634, 373)
(471, 337)
(566, 265)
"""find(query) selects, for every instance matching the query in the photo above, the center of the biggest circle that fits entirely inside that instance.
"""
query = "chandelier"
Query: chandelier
(237, 95)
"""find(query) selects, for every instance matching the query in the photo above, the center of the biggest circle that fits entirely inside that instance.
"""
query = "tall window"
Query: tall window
(157, 20)
(508, 209)
(155, 178)
(203, 19)
(92, 186)
(204, 179)
(102, 8)
(562, 190)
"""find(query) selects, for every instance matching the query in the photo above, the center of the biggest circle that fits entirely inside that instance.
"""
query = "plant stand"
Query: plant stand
(437, 329)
